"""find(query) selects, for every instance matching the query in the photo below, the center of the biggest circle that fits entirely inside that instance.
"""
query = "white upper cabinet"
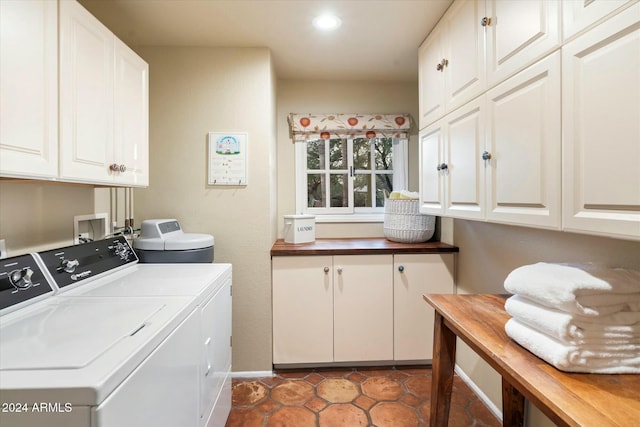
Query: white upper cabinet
(103, 104)
(452, 168)
(86, 96)
(431, 157)
(524, 142)
(29, 89)
(131, 139)
(519, 33)
(431, 78)
(452, 62)
(578, 15)
(464, 71)
(601, 116)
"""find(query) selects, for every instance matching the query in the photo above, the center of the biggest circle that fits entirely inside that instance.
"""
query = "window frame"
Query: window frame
(350, 213)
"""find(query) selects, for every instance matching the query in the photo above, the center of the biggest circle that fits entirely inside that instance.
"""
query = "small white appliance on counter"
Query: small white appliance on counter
(163, 241)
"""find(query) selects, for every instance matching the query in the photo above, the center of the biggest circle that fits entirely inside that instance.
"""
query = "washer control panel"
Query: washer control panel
(72, 264)
(21, 280)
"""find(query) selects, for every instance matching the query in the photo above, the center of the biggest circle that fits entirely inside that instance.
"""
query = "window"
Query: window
(348, 179)
(347, 164)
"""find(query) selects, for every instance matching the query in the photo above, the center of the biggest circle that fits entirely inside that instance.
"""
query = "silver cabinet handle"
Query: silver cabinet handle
(326, 270)
(401, 268)
(339, 270)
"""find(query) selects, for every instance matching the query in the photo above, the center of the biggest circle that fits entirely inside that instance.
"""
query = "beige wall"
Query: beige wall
(38, 215)
(194, 91)
(488, 252)
(297, 96)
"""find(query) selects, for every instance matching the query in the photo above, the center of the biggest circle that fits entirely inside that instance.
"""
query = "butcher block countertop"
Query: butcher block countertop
(365, 246)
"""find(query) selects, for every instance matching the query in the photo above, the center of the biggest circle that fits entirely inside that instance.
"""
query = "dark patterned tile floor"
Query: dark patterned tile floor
(380, 397)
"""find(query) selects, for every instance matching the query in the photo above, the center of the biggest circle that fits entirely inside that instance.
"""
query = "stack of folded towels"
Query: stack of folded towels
(577, 317)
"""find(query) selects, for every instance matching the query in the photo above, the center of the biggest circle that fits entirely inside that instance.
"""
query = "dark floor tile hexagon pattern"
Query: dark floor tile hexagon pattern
(394, 397)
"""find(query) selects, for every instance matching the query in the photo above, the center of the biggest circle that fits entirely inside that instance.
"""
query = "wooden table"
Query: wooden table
(567, 399)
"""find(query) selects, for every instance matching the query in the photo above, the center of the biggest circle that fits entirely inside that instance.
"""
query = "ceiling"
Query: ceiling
(378, 39)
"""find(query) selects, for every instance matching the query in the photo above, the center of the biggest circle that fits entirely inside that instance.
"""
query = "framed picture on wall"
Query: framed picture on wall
(227, 158)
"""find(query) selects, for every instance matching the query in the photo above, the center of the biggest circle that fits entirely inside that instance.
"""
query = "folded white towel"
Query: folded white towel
(585, 289)
(573, 358)
(572, 329)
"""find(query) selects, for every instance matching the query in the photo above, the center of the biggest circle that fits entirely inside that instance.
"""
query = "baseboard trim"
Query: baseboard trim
(497, 412)
(251, 374)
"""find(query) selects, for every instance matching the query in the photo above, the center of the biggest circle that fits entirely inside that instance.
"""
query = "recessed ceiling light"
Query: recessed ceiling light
(327, 22)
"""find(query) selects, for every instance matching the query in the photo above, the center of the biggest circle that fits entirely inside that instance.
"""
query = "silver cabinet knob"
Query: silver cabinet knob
(485, 22)
(123, 168)
(339, 270)
(401, 268)
(114, 167)
(486, 155)
(442, 167)
(326, 270)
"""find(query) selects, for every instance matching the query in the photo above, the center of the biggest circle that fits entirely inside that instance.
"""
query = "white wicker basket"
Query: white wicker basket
(404, 223)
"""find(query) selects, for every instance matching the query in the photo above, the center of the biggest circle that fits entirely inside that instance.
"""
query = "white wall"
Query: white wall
(194, 91)
(305, 96)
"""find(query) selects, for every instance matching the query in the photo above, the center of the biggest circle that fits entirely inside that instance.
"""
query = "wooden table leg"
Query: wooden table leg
(444, 359)
(512, 406)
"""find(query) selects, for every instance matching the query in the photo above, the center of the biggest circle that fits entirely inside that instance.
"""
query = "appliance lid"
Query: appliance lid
(81, 349)
(70, 334)
(166, 234)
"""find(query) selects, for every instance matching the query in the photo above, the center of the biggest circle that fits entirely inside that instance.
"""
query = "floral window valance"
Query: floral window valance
(325, 126)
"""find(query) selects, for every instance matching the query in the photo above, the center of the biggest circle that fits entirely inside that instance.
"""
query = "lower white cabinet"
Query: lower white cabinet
(413, 276)
(362, 308)
(302, 309)
(356, 308)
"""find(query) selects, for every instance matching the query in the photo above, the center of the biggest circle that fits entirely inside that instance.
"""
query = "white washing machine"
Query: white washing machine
(108, 342)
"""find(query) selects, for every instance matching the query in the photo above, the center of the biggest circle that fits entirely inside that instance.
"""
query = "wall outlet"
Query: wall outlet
(3, 249)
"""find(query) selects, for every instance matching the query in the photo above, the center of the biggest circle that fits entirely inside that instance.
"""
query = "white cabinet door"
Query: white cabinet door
(86, 96)
(577, 15)
(601, 115)
(415, 275)
(465, 72)
(302, 309)
(431, 78)
(519, 33)
(29, 88)
(215, 339)
(452, 171)
(524, 139)
(464, 179)
(430, 169)
(131, 142)
(363, 307)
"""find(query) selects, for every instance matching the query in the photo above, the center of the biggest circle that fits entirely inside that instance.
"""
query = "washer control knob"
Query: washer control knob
(21, 279)
(68, 266)
(120, 250)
